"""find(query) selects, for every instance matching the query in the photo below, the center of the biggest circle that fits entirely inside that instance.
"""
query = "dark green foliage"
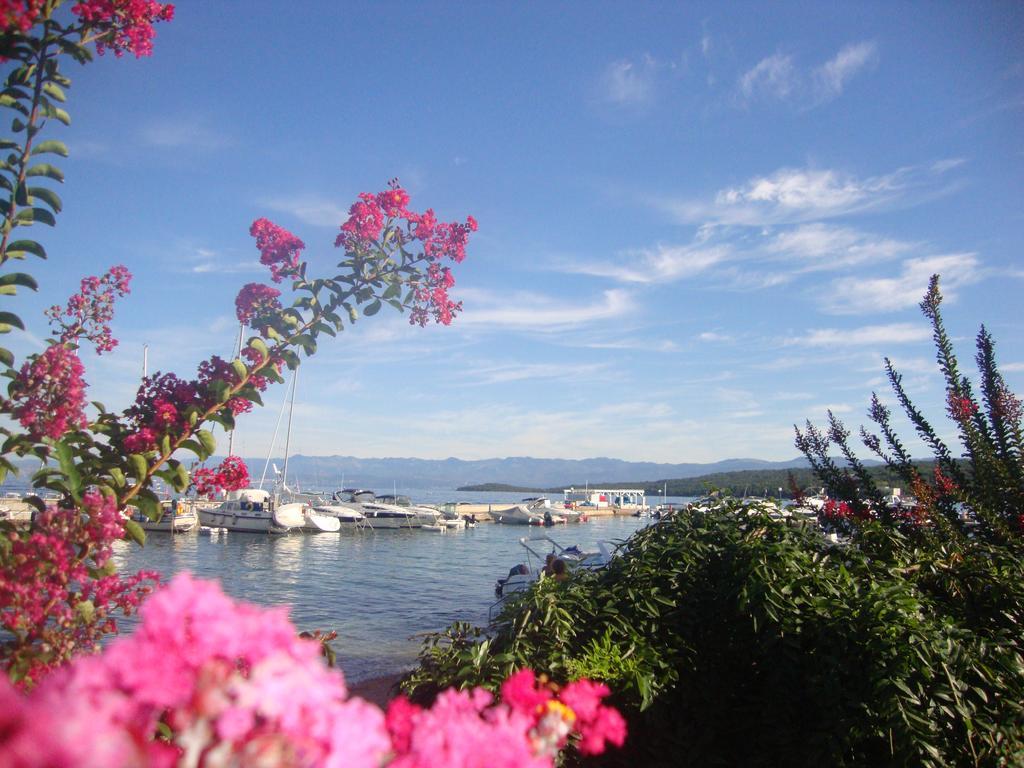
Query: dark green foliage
(740, 640)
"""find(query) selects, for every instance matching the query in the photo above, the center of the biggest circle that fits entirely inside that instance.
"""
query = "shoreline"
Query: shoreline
(377, 690)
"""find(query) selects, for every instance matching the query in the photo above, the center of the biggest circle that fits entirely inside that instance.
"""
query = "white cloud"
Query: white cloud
(318, 211)
(941, 166)
(791, 195)
(663, 263)
(1012, 367)
(533, 312)
(713, 336)
(868, 295)
(824, 247)
(630, 83)
(509, 372)
(896, 333)
(772, 77)
(831, 77)
(184, 133)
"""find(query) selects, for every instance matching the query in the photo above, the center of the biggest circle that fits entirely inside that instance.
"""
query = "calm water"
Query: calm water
(379, 590)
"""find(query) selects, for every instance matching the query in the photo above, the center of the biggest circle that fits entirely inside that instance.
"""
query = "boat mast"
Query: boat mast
(238, 354)
(288, 433)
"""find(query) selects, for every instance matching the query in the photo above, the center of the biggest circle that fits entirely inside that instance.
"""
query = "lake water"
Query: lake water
(380, 590)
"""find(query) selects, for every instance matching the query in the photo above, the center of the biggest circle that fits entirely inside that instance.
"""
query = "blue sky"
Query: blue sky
(699, 223)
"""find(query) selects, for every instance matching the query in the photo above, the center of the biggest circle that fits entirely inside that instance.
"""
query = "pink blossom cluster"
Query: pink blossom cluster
(231, 475)
(468, 729)
(164, 401)
(432, 298)
(18, 14)
(254, 301)
(126, 25)
(47, 396)
(279, 249)
(383, 221)
(89, 312)
(230, 684)
(56, 588)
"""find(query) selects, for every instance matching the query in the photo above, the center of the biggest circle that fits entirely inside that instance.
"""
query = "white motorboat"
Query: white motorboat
(378, 515)
(179, 516)
(529, 512)
(427, 516)
(538, 549)
(253, 510)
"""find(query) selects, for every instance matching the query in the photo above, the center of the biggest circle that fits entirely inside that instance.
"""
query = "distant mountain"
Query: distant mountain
(384, 473)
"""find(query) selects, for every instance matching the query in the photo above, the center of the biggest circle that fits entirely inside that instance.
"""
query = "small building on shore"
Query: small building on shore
(604, 498)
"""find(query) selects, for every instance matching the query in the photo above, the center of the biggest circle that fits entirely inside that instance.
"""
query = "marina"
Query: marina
(381, 590)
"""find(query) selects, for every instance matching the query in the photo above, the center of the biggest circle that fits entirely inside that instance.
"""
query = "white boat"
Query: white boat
(538, 549)
(427, 516)
(348, 517)
(179, 516)
(378, 515)
(316, 522)
(529, 512)
(253, 510)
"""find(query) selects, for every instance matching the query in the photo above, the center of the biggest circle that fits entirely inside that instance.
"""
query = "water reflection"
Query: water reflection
(379, 590)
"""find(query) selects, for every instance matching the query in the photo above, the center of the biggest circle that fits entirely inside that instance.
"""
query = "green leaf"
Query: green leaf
(47, 170)
(6, 357)
(260, 346)
(66, 459)
(372, 309)
(10, 320)
(48, 196)
(54, 91)
(140, 467)
(181, 479)
(52, 146)
(134, 531)
(117, 476)
(239, 368)
(208, 441)
(33, 215)
(19, 278)
(26, 246)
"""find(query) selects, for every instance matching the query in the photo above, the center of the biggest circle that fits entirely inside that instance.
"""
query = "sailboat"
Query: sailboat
(253, 510)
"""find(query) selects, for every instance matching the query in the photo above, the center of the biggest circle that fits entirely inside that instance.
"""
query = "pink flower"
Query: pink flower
(231, 475)
(254, 300)
(520, 692)
(125, 25)
(595, 722)
(279, 249)
(48, 394)
(89, 312)
(18, 14)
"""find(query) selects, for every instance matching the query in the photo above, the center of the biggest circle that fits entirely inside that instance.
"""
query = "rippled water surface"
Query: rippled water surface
(379, 590)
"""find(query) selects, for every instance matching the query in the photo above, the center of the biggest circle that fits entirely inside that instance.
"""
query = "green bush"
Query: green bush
(732, 636)
(733, 639)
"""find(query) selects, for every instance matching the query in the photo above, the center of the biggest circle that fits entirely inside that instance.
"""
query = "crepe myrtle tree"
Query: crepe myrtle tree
(58, 588)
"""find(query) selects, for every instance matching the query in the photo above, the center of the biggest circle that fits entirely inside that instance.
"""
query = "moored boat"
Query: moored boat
(253, 510)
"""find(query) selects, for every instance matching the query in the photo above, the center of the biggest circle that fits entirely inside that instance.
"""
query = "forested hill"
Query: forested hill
(755, 482)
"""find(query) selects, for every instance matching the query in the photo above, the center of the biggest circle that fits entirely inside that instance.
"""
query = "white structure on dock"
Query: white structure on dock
(604, 497)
